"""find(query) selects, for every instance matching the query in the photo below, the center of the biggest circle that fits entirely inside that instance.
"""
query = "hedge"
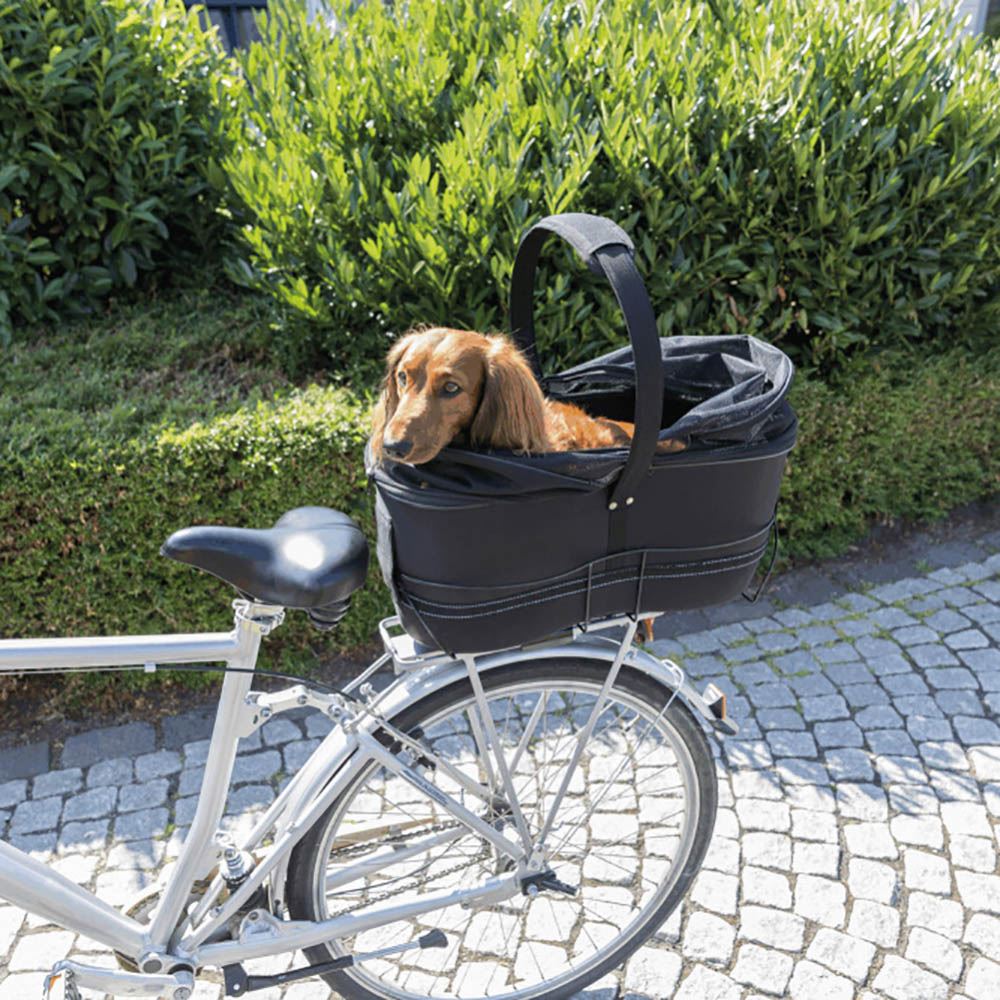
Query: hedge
(820, 173)
(114, 115)
(81, 518)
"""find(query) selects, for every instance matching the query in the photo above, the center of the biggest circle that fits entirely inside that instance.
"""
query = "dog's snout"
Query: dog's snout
(397, 449)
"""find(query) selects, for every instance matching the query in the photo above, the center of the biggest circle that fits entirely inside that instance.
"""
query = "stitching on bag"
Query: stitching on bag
(617, 576)
(581, 590)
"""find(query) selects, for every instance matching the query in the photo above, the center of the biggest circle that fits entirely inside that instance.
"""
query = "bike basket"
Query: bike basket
(488, 549)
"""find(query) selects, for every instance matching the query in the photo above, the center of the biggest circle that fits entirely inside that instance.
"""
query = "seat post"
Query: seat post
(252, 622)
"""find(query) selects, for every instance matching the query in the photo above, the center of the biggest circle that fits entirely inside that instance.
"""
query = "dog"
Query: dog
(443, 386)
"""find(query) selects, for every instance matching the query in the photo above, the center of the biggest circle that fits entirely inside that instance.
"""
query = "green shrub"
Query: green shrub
(909, 435)
(822, 174)
(120, 431)
(112, 120)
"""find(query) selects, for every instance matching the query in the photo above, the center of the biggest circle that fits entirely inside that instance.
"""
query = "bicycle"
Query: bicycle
(509, 825)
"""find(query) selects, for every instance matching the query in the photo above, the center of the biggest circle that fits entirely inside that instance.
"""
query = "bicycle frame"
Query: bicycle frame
(183, 935)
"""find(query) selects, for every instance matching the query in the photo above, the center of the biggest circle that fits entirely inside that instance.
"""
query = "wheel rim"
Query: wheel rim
(623, 836)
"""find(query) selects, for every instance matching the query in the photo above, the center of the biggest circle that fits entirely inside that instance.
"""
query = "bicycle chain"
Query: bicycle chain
(389, 894)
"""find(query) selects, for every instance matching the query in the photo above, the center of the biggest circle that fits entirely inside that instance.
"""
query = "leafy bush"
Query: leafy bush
(112, 119)
(103, 457)
(822, 174)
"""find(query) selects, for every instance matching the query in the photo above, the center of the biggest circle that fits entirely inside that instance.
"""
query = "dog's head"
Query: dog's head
(440, 384)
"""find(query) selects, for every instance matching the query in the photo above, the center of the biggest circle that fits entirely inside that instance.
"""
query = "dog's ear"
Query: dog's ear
(389, 398)
(512, 409)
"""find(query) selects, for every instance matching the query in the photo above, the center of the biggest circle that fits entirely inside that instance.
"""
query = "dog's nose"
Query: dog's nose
(398, 449)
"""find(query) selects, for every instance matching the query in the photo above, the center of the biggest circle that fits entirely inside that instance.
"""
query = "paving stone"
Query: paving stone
(763, 969)
(748, 754)
(983, 933)
(768, 850)
(41, 951)
(975, 853)
(935, 953)
(879, 717)
(116, 741)
(927, 872)
(954, 703)
(966, 818)
(117, 771)
(771, 927)
(144, 796)
(24, 761)
(858, 800)
(13, 793)
(279, 731)
(838, 734)
(295, 754)
(816, 859)
(848, 764)
(891, 743)
(815, 797)
(903, 980)
(953, 787)
(871, 840)
(969, 639)
(716, 891)
(984, 980)
(56, 783)
(256, 766)
(985, 762)
(979, 892)
(36, 815)
(872, 880)
(141, 825)
(943, 916)
(895, 771)
(948, 755)
(824, 707)
(874, 922)
(708, 938)
(821, 900)
(801, 772)
(704, 984)
(848, 956)
(765, 887)
(651, 970)
(160, 764)
(91, 804)
(811, 981)
(922, 831)
(972, 730)
(88, 835)
(810, 825)
(762, 814)
(922, 728)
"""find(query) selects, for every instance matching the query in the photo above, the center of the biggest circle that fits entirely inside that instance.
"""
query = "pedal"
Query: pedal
(533, 884)
(238, 983)
(69, 990)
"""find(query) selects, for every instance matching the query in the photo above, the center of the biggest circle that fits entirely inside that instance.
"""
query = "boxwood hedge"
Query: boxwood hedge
(821, 173)
(96, 470)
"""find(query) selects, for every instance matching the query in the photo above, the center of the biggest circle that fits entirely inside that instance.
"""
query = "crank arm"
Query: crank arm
(176, 986)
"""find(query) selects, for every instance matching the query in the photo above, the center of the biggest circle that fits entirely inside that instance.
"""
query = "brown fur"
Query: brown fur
(498, 402)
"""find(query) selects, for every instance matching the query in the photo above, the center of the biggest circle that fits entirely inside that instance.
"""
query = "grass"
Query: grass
(180, 356)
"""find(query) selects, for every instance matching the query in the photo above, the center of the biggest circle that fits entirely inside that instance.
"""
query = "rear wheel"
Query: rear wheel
(630, 835)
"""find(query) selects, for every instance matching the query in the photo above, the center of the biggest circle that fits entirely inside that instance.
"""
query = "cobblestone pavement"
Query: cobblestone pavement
(855, 853)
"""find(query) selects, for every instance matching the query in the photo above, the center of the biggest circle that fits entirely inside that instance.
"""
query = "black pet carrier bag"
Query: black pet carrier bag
(484, 550)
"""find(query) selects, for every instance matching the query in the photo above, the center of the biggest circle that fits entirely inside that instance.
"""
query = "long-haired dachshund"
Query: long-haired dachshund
(445, 385)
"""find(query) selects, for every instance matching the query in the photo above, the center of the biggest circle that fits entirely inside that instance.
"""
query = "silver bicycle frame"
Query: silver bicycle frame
(185, 933)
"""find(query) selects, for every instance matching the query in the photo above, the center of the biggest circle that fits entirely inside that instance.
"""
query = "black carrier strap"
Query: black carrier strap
(606, 249)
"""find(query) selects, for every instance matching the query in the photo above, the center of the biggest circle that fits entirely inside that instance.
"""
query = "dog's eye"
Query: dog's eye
(401, 378)
(451, 389)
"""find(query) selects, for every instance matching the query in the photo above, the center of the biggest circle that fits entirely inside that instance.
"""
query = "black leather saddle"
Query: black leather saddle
(313, 558)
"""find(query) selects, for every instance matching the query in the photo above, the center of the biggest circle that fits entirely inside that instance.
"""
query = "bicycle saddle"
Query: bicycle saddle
(313, 557)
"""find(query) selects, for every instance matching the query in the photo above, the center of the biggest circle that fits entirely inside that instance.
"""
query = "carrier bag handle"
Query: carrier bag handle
(607, 251)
